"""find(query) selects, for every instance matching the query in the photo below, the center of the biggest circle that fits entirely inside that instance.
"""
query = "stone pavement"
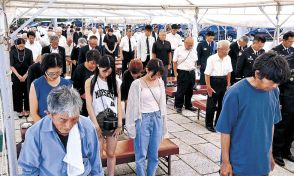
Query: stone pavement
(199, 148)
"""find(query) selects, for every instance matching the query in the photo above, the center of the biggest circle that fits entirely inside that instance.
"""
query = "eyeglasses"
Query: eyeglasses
(53, 74)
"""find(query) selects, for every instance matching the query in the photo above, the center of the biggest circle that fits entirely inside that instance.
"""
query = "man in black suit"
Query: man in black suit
(284, 130)
(205, 49)
(92, 44)
(54, 48)
(236, 49)
(285, 48)
(246, 59)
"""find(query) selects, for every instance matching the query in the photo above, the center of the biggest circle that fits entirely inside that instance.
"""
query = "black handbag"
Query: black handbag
(107, 119)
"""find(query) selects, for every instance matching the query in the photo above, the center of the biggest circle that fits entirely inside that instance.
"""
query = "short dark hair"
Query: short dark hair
(148, 28)
(288, 34)
(174, 26)
(93, 37)
(93, 55)
(20, 41)
(135, 66)
(155, 66)
(110, 30)
(259, 38)
(51, 60)
(272, 67)
(210, 33)
(31, 33)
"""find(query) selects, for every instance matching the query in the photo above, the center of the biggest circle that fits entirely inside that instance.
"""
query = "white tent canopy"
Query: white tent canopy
(247, 13)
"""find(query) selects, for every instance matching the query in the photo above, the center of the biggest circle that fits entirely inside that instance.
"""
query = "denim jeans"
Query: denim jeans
(149, 132)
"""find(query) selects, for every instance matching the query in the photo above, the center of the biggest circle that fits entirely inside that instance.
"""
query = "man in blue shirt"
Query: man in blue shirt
(51, 147)
(247, 130)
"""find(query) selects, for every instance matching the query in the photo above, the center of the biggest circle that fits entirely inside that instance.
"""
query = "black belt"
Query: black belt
(189, 71)
(218, 77)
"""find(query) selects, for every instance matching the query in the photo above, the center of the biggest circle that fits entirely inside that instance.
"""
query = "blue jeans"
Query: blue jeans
(149, 132)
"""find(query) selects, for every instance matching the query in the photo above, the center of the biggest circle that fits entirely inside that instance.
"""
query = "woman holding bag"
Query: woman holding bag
(104, 105)
(146, 116)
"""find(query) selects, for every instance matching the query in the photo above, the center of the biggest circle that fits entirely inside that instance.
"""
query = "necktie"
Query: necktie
(130, 46)
(256, 53)
(100, 41)
(287, 51)
(147, 43)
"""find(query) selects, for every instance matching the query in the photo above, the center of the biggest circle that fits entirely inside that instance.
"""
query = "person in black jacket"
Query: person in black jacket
(21, 59)
(54, 48)
(284, 130)
(236, 49)
(75, 53)
(82, 73)
(246, 59)
(77, 34)
(285, 48)
(205, 49)
(92, 44)
(134, 71)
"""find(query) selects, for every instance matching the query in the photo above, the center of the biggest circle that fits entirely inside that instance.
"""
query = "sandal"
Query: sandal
(26, 113)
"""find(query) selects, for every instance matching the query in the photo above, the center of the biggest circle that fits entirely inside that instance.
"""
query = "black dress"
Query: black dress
(126, 84)
(74, 56)
(34, 72)
(21, 60)
(79, 78)
(110, 42)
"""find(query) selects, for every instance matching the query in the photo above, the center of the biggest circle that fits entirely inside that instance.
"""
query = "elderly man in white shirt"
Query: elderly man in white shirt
(127, 49)
(174, 39)
(144, 45)
(34, 45)
(218, 79)
(68, 49)
(62, 39)
(184, 69)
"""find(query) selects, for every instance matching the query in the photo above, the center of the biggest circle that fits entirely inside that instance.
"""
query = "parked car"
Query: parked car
(45, 23)
(268, 33)
(221, 32)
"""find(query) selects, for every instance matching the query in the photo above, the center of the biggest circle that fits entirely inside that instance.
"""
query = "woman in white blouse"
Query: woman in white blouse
(146, 116)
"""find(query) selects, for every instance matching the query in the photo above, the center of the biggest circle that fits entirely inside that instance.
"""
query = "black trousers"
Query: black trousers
(219, 85)
(171, 71)
(284, 135)
(146, 61)
(84, 111)
(202, 78)
(185, 84)
(128, 56)
(20, 95)
(233, 78)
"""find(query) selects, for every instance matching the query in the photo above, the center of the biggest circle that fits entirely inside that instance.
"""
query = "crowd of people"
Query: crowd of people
(64, 76)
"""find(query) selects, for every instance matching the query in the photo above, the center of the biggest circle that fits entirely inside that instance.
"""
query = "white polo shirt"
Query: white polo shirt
(175, 40)
(180, 55)
(218, 67)
(124, 43)
(36, 49)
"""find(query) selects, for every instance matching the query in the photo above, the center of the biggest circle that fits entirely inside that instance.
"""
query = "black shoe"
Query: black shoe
(179, 110)
(289, 157)
(279, 160)
(191, 109)
(211, 129)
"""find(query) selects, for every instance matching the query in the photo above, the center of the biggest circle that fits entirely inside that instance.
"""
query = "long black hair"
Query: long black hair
(107, 62)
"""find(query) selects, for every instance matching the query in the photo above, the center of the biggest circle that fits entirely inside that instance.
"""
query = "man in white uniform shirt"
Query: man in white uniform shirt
(184, 69)
(144, 45)
(174, 39)
(218, 79)
(127, 49)
(33, 45)
(62, 39)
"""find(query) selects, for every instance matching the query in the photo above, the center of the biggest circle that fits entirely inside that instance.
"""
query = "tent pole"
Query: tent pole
(13, 35)
(6, 93)
(195, 26)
